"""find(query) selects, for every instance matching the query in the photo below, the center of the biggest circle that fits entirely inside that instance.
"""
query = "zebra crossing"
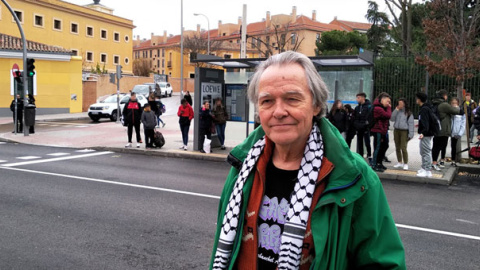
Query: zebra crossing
(49, 157)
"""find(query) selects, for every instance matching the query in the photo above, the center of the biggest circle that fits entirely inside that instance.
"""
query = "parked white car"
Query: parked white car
(165, 88)
(108, 107)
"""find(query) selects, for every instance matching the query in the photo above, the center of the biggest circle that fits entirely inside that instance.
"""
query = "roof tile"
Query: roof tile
(8, 42)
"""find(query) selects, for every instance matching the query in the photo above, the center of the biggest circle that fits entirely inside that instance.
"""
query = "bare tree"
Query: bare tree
(196, 44)
(141, 67)
(279, 39)
(402, 23)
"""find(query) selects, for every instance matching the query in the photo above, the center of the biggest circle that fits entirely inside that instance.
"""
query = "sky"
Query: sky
(156, 16)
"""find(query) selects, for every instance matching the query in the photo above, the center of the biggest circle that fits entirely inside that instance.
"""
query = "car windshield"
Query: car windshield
(141, 89)
(111, 99)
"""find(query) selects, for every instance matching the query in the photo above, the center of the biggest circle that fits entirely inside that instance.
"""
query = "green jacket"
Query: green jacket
(445, 111)
(352, 225)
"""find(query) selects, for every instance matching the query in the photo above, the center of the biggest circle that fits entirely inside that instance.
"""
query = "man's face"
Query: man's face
(18, 96)
(385, 101)
(360, 99)
(133, 97)
(468, 98)
(419, 102)
(285, 104)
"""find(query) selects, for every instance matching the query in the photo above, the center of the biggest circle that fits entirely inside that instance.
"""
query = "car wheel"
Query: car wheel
(94, 118)
(166, 94)
(170, 94)
(114, 116)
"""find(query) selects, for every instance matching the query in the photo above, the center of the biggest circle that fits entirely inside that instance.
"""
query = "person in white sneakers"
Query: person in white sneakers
(132, 113)
(425, 130)
(403, 124)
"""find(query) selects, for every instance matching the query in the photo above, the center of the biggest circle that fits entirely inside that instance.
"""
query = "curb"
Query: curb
(63, 119)
(165, 153)
(445, 180)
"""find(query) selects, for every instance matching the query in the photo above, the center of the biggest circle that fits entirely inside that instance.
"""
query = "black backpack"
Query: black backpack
(434, 123)
(370, 118)
(158, 139)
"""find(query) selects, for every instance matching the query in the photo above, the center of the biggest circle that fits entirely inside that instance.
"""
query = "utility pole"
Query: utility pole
(181, 50)
(24, 77)
(119, 76)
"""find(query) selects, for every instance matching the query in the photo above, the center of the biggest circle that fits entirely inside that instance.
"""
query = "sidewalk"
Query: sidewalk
(112, 136)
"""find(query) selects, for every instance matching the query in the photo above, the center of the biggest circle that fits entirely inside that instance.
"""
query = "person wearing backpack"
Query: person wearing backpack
(403, 124)
(444, 111)
(382, 113)
(362, 123)
(426, 125)
(458, 130)
(149, 120)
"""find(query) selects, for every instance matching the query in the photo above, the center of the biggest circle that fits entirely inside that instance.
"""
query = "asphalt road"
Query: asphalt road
(64, 209)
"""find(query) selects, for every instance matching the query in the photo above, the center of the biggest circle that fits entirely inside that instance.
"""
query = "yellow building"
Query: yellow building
(57, 84)
(90, 31)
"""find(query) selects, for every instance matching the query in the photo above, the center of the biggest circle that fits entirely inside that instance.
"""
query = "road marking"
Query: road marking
(113, 182)
(54, 125)
(54, 159)
(415, 228)
(3, 143)
(466, 221)
(85, 151)
(3, 161)
(81, 126)
(58, 154)
(28, 157)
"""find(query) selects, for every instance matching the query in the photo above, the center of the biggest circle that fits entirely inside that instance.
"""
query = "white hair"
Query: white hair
(316, 85)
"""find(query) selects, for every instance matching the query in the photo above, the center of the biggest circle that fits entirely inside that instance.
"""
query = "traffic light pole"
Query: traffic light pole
(24, 77)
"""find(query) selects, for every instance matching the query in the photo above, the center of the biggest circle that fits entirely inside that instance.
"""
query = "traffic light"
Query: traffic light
(119, 72)
(30, 67)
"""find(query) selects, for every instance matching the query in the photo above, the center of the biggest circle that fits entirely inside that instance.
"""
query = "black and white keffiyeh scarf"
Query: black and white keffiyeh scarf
(297, 215)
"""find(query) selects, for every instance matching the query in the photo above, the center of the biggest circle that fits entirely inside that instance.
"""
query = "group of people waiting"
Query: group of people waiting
(373, 120)
(133, 115)
(210, 121)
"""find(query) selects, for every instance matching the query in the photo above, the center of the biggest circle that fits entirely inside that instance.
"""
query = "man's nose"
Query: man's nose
(280, 110)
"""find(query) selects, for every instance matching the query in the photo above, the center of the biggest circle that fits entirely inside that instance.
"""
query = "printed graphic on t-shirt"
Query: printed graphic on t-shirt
(272, 213)
(133, 105)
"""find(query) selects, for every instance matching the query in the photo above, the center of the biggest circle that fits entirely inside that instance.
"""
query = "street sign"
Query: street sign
(15, 70)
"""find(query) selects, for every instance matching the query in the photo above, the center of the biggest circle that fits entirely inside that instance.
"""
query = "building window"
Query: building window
(116, 60)
(163, 52)
(127, 38)
(57, 24)
(158, 53)
(151, 54)
(163, 63)
(74, 52)
(293, 38)
(74, 28)
(38, 20)
(116, 36)
(282, 39)
(19, 16)
(127, 60)
(103, 58)
(227, 56)
(103, 34)
(89, 31)
(89, 56)
(158, 63)
(267, 40)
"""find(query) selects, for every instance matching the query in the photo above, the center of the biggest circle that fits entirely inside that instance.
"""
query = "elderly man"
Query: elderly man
(297, 197)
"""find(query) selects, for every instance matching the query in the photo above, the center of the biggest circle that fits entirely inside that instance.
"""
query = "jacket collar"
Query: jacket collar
(346, 172)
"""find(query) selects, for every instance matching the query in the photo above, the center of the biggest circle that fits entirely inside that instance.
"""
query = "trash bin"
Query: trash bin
(30, 115)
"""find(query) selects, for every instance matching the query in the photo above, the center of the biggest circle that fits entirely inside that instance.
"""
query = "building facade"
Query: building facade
(91, 32)
(272, 35)
(57, 84)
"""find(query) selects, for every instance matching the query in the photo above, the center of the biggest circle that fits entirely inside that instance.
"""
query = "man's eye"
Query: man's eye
(265, 101)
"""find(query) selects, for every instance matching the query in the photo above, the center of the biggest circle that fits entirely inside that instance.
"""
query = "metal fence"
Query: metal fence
(403, 77)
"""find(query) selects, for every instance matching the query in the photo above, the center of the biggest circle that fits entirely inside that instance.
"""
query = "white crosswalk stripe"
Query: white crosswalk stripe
(3, 161)
(85, 151)
(28, 157)
(58, 154)
(3, 143)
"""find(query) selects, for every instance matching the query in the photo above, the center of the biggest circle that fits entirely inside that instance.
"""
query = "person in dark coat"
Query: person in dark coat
(476, 122)
(132, 113)
(350, 128)
(188, 98)
(338, 117)
(382, 112)
(31, 100)
(220, 119)
(362, 121)
(205, 126)
(19, 124)
(425, 132)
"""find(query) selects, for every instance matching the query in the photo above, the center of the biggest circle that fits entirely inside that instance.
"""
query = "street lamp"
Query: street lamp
(208, 27)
